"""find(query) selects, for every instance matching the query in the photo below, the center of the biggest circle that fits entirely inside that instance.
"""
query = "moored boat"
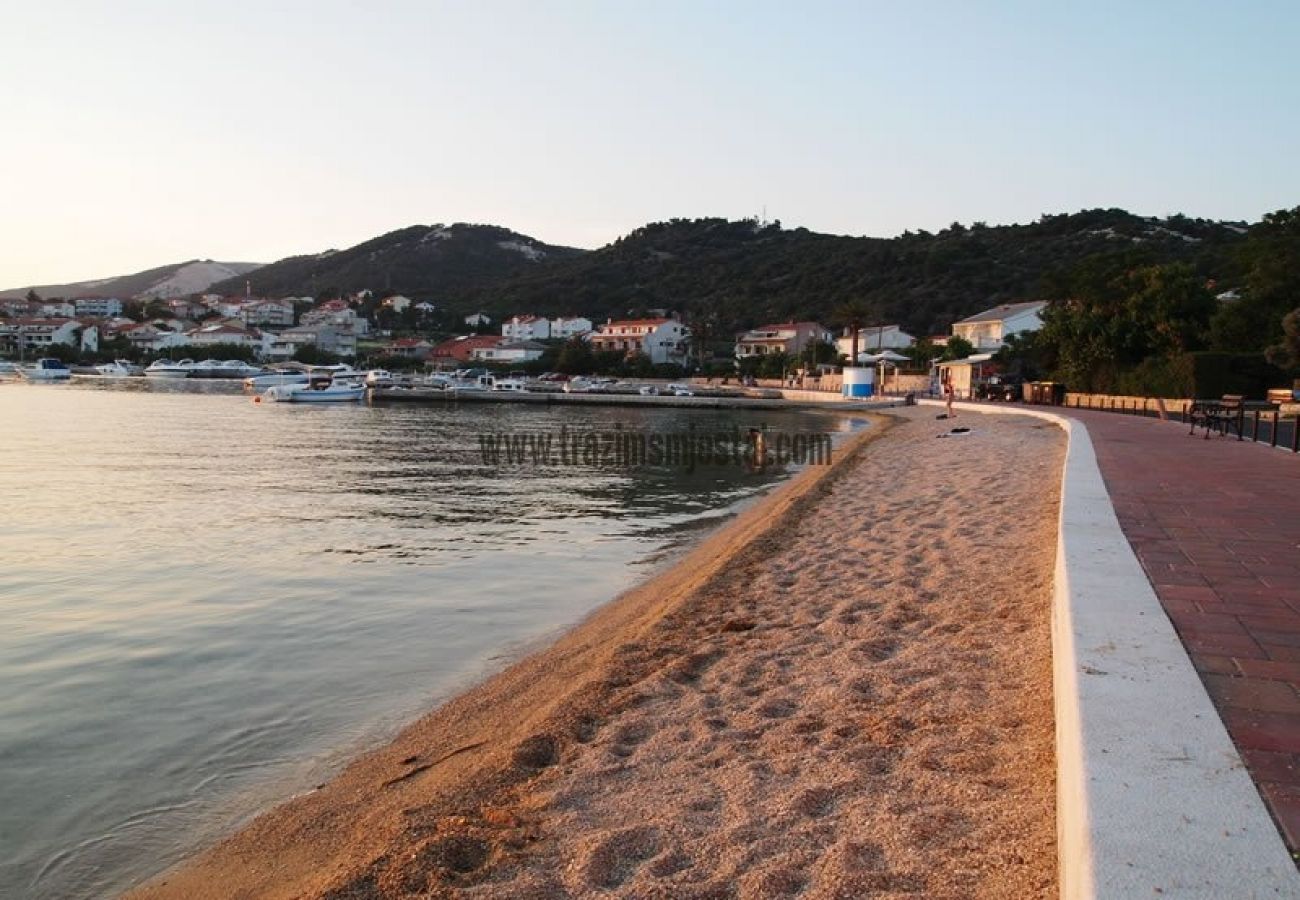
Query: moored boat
(318, 389)
(118, 368)
(47, 369)
(166, 368)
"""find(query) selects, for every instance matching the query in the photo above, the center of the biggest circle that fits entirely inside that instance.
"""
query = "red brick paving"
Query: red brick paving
(1216, 525)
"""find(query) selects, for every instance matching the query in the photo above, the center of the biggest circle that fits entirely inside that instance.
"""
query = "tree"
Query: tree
(852, 314)
(818, 352)
(33, 297)
(1286, 354)
(575, 357)
(957, 348)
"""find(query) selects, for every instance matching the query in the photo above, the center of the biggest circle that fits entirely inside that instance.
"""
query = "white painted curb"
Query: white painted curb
(1152, 797)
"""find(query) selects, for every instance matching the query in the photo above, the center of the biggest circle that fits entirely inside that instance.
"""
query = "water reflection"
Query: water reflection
(209, 603)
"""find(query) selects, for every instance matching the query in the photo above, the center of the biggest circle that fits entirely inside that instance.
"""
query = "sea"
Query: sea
(208, 604)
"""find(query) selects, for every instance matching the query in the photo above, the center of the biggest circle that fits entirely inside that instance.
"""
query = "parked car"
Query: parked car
(1006, 388)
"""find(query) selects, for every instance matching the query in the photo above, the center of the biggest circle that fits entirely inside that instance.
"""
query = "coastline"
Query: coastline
(463, 786)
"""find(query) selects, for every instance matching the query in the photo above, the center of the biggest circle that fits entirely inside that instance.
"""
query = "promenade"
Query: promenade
(1216, 526)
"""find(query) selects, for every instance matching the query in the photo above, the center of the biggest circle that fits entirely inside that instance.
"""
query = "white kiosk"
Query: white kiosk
(859, 381)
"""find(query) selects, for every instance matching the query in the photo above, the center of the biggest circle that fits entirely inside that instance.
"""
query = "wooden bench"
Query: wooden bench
(1223, 415)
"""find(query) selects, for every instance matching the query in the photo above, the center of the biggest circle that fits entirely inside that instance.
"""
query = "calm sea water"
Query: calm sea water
(207, 605)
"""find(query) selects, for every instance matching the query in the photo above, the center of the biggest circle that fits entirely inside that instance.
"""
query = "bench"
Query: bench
(1223, 415)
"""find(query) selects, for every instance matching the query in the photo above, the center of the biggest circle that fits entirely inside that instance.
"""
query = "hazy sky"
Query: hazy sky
(141, 133)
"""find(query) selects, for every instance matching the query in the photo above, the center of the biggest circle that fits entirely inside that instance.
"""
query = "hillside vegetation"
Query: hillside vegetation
(743, 273)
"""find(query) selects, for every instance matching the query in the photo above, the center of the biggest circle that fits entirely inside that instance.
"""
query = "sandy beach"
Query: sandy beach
(845, 692)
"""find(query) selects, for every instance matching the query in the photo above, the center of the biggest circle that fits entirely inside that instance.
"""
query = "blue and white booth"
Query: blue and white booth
(859, 381)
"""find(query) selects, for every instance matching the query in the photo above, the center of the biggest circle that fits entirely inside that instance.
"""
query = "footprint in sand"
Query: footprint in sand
(617, 856)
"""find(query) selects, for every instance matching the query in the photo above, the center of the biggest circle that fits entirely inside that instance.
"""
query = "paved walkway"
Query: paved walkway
(1216, 525)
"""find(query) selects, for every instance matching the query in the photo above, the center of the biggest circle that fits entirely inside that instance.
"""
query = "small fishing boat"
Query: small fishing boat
(318, 389)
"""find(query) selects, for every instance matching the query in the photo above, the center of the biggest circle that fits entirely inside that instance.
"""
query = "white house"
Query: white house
(789, 338)
(873, 338)
(223, 333)
(526, 328)
(58, 309)
(340, 316)
(276, 313)
(566, 327)
(516, 351)
(397, 303)
(662, 340)
(474, 320)
(990, 329)
(37, 333)
(98, 307)
(149, 336)
(288, 342)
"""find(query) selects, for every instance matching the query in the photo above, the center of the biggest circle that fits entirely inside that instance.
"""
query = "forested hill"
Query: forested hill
(436, 262)
(743, 274)
(740, 274)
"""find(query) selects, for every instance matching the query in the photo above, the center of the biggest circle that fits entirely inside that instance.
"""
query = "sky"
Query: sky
(136, 134)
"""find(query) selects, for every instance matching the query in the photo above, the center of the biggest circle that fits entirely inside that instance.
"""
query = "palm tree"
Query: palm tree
(852, 314)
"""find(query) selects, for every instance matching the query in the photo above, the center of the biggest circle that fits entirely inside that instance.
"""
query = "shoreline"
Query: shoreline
(468, 790)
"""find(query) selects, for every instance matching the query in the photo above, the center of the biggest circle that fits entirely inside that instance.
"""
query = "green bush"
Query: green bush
(1202, 374)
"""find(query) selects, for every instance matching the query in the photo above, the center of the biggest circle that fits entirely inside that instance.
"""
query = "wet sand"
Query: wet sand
(846, 692)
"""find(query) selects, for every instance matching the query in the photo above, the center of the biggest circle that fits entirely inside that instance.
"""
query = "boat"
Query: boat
(118, 368)
(166, 368)
(47, 369)
(512, 385)
(274, 377)
(318, 389)
(380, 378)
(9, 371)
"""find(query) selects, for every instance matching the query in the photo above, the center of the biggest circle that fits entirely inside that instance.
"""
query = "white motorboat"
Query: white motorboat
(166, 368)
(265, 379)
(47, 369)
(118, 368)
(318, 389)
(380, 378)
(512, 385)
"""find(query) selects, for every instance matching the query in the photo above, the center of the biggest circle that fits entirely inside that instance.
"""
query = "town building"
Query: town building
(789, 338)
(55, 309)
(526, 328)
(478, 319)
(98, 307)
(566, 327)
(152, 337)
(873, 339)
(509, 352)
(990, 329)
(188, 309)
(326, 338)
(339, 316)
(25, 335)
(459, 350)
(413, 347)
(275, 313)
(212, 333)
(661, 340)
(397, 303)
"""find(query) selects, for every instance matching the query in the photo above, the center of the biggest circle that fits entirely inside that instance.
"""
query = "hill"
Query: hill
(175, 280)
(443, 263)
(745, 273)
